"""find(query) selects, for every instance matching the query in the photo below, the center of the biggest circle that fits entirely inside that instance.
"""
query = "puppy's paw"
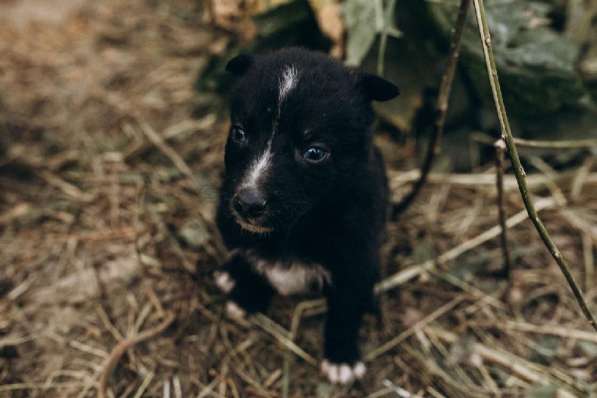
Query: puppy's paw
(342, 373)
(224, 281)
(234, 311)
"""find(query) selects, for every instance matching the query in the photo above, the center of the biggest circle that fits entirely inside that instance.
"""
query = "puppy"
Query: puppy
(304, 198)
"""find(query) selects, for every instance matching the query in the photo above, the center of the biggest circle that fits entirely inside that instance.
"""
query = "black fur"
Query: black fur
(330, 212)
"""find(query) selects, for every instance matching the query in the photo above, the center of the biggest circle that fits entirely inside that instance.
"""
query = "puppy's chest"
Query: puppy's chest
(295, 277)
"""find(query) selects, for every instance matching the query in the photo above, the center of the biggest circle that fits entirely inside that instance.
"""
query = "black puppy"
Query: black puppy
(303, 202)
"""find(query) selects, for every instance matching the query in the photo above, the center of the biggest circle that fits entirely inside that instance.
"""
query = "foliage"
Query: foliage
(536, 63)
(282, 25)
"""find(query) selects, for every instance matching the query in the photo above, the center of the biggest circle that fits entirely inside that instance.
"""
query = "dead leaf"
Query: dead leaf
(234, 16)
(331, 23)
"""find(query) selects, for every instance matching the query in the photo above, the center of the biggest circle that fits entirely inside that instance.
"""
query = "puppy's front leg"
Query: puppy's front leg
(349, 297)
(248, 291)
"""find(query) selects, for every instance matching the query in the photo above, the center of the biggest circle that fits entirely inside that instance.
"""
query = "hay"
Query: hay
(108, 189)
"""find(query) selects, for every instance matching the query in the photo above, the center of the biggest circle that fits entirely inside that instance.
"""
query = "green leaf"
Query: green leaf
(360, 17)
(537, 65)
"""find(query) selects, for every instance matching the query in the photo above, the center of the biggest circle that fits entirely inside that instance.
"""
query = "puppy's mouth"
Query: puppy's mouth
(249, 224)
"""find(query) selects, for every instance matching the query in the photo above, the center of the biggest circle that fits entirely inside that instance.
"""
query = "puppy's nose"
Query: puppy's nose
(249, 202)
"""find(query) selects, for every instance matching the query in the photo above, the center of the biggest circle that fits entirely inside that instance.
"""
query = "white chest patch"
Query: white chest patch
(294, 278)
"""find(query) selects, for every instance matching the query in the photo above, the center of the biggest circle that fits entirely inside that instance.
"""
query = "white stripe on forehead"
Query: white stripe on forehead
(287, 82)
(261, 166)
(258, 168)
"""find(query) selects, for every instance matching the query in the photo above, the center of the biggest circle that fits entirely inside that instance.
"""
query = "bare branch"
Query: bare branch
(122, 347)
(500, 148)
(517, 166)
(442, 110)
(541, 144)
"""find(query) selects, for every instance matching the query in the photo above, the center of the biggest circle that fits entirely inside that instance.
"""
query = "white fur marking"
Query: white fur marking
(345, 374)
(288, 81)
(263, 163)
(259, 167)
(359, 370)
(254, 176)
(342, 373)
(234, 311)
(224, 281)
(294, 278)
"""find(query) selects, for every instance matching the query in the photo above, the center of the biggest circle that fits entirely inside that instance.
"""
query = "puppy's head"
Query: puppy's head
(300, 129)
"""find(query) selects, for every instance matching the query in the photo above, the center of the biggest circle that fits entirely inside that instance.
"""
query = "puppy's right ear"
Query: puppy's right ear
(377, 88)
(240, 64)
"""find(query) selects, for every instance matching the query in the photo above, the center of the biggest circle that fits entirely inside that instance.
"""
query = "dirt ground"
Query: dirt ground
(109, 168)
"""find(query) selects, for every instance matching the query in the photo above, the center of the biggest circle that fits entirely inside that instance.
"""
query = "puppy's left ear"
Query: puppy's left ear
(240, 64)
(377, 88)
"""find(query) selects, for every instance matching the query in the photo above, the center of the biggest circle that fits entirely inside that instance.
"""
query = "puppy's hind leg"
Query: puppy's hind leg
(247, 290)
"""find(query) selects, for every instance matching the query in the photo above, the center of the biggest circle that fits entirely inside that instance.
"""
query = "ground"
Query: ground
(109, 167)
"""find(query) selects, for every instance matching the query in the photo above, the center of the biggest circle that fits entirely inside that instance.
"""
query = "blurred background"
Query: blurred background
(113, 118)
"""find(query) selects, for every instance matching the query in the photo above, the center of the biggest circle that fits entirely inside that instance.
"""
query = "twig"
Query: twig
(401, 392)
(442, 111)
(40, 386)
(448, 380)
(416, 270)
(66, 187)
(542, 144)
(410, 331)
(482, 180)
(518, 169)
(468, 288)
(580, 178)
(144, 385)
(178, 131)
(577, 220)
(184, 168)
(519, 367)
(589, 260)
(122, 347)
(552, 330)
(500, 148)
(567, 144)
(551, 175)
(294, 326)
(283, 337)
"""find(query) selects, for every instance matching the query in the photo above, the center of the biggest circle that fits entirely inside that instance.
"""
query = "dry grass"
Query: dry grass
(105, 235)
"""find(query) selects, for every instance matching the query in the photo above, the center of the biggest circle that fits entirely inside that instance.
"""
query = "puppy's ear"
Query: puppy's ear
(377, 88)
(240, 64)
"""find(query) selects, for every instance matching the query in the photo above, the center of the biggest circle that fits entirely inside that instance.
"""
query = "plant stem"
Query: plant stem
(560, 144)
(383, 41)
(500, 148)
(518, 169)
(542, 144)
(442, 109)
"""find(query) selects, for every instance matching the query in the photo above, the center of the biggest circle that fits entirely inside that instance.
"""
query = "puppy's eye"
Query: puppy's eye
(238, 135)
(316, 154)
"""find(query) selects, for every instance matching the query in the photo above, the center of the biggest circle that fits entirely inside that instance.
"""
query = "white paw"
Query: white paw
(224, 281)
(234, 311)
(342, 373)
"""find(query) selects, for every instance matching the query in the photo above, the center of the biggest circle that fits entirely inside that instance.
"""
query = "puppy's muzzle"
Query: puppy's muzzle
(249, 203)
(249, 206)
